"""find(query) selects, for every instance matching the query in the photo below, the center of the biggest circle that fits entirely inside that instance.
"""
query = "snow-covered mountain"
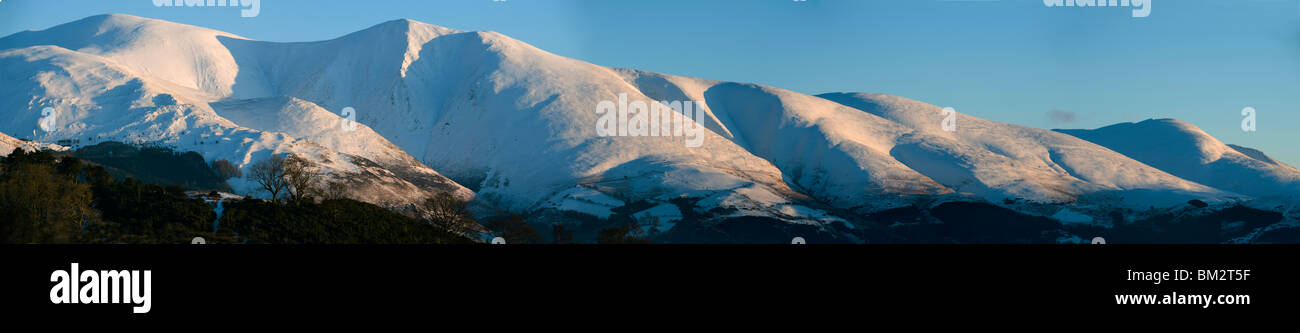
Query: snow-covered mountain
(1184, 150)
(136, 80)
(517, 126)
(999, 160)
(9, 143)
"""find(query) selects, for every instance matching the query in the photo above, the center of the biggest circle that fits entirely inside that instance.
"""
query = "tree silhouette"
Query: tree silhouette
(269, 173)
(300, 178)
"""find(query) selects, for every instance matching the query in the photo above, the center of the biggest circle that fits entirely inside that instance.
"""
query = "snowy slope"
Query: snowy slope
(513, 122)
(832, 152)
(1186, 151)
(308, 122)
(99, 98)
(1000, 159)
(9, 143)
(184, 55)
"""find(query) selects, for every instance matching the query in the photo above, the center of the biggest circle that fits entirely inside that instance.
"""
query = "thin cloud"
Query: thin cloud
(1061, 116)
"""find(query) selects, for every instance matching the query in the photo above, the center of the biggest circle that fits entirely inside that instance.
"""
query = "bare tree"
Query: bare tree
(301, 177)
(226, 170)
(269, 173)
(447, 212)
(335, 190)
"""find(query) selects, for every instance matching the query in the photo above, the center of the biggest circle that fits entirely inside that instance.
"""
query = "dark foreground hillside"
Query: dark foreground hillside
(61, 199)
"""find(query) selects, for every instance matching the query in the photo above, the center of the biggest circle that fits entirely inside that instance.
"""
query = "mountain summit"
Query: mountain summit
(1184, 150)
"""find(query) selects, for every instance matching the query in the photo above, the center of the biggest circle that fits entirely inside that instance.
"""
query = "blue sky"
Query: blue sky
(1009, 60)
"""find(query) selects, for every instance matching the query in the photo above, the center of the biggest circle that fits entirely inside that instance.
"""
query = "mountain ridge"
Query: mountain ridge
(1189, 152)
(491, 118)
